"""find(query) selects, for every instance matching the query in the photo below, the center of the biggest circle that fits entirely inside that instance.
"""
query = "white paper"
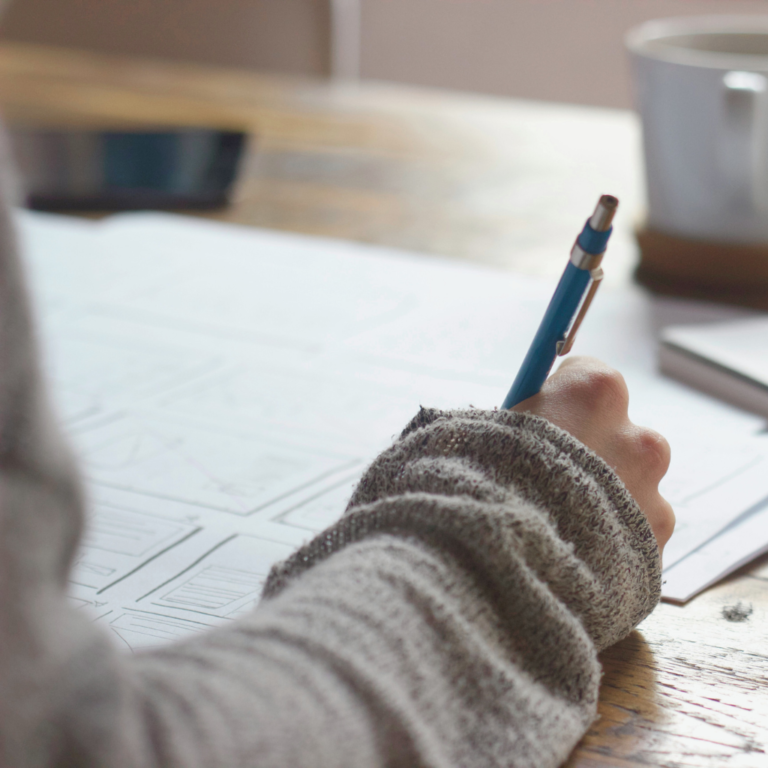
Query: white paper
(225, 388)
(730, 550)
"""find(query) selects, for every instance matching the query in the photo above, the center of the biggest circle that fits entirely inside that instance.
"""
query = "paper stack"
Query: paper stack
(728, 360)
(225, 388)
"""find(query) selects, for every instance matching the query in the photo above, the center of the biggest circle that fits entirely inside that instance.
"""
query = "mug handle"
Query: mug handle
(744, 154)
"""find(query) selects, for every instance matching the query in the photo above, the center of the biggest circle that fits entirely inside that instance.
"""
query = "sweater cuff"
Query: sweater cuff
(590, 507)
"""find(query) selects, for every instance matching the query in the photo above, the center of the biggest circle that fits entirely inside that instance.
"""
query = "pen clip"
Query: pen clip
(565, 345)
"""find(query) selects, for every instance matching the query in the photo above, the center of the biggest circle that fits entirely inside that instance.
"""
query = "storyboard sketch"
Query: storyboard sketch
(225, 388)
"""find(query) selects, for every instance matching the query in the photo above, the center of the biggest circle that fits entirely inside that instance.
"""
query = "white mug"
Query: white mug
(701, 87)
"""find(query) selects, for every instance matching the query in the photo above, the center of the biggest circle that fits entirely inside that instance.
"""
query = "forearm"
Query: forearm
(387, 653)
(449, 620)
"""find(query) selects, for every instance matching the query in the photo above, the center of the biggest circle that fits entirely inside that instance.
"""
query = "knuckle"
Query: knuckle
(654, 449)
(606, 387)
(664, 524)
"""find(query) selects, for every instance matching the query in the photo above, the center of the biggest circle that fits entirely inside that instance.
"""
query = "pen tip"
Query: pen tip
(604, 213)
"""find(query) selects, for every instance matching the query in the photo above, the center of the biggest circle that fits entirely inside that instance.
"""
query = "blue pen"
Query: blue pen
(574, 293)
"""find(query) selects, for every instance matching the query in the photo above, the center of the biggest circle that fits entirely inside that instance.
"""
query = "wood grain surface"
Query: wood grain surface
(492, 181)
(688, 687)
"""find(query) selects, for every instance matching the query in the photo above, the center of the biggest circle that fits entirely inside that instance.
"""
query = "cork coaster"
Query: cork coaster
(732, 273)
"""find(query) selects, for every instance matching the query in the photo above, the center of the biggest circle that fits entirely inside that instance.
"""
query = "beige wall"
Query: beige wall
(283, 35)
(563, 50)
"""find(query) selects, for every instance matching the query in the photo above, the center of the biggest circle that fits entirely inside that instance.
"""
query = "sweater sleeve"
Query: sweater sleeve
(451, 617)
(494, 556)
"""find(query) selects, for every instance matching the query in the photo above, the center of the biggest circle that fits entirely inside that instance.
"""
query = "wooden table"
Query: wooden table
(492, 181)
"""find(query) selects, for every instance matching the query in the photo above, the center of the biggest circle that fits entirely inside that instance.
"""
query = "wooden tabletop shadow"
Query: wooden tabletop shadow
(628, 708)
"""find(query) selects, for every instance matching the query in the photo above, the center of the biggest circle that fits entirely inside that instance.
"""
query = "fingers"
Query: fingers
(586, 398)
(661, 516)
(651, 451)
(643, 458)
(592, 385)
(590, 400)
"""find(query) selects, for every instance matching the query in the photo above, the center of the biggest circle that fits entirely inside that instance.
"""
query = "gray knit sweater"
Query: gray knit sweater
(451, 618)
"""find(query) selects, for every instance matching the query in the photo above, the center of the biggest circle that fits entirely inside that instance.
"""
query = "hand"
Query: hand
(588, 399)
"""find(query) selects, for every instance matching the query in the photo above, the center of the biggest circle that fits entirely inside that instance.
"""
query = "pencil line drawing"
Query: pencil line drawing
(189, 567)
(214, 588)
(119, 542)
(222, 469)
(226, 581)
(146, 630)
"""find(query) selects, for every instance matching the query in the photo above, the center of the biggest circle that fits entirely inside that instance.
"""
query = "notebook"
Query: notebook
(726, 360)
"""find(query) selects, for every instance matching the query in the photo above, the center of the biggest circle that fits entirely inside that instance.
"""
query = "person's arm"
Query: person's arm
(452, 617)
